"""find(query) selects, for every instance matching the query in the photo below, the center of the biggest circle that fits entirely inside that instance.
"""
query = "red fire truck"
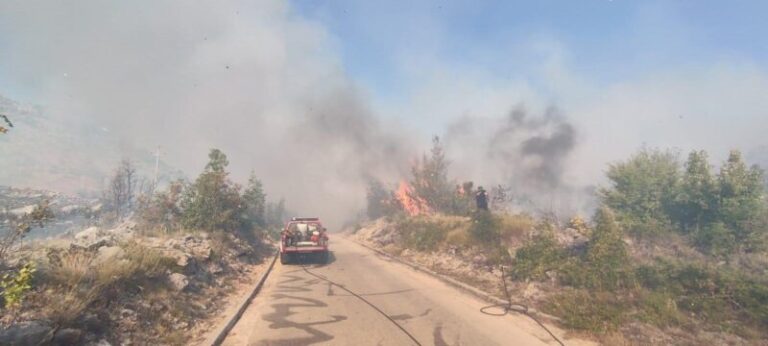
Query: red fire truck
(303, 238)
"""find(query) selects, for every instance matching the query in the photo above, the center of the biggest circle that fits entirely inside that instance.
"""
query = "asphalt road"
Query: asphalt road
(296, 307)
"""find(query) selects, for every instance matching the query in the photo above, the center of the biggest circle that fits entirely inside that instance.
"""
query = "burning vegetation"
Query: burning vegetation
(674, 247)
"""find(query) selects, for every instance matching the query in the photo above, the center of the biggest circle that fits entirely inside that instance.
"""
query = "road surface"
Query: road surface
(296, 307)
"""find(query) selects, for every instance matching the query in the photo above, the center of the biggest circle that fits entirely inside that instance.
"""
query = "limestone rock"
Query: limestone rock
(178, 281)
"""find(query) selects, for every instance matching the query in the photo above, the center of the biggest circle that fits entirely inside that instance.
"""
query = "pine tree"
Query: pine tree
(430, 178)
(213, 202)
(697, 201)
(255, 200)
(741, 203)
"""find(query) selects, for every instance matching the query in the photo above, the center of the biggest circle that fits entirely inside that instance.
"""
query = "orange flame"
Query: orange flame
(411, 204)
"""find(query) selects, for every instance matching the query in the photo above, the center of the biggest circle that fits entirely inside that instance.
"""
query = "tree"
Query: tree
(430, 178)
(697, 200)
(255, 201)
(643, 190)
(275, 213)
(379, 200)
(741, 203)
(217, 161)
(122, 188)
(606, 253)
(163, 208)
(213, 202)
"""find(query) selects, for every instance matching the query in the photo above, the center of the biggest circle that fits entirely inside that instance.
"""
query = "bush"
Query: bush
(421, 234)
(484, 228)
(719, 295)
(659, 308)
(537, 257)
(716, 240)
(15, 286)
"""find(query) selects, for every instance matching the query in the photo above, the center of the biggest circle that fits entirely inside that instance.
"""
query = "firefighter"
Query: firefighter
(481, 198)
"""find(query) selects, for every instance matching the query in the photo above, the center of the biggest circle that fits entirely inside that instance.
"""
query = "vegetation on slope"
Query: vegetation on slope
(675, 253)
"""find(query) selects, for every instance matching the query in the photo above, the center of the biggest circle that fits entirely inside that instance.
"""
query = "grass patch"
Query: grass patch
(597, 312)
(515, 226)
(421, 234)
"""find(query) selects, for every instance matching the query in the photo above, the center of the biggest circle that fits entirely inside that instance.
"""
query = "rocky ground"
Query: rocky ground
(119, 286)
(73, 213)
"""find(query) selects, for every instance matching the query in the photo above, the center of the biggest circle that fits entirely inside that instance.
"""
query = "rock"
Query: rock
(101, 342)
(201, 249)
(107, 253)
(23, 210)
(570, 237)
(531, 291)
(182, 260)
(92, 323)
(25, 333)
(127, 313)
(178, 281)
(90, 233)
(215, 269)
(171, 243)
(92, 245)
(67, 336)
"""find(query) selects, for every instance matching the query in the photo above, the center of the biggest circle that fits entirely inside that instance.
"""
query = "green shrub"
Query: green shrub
(421, 234)
(659, 308)
(716, 240)
(484, 228)
(16, 285)
(538, 256)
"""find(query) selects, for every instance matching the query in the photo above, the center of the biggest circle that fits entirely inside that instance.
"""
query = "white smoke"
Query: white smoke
(251, 79)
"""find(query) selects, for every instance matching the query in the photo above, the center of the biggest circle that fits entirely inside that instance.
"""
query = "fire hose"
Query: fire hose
(364, 301)
(515, 307)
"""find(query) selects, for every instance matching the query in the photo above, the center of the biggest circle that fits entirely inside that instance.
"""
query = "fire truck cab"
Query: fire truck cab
(303, 238)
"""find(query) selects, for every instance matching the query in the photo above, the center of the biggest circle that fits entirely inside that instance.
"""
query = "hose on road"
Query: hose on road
(321, 277)
(515, 307)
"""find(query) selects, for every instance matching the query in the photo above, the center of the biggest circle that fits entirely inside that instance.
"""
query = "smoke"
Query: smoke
(251, 79)
(527, 154)
(541, 144)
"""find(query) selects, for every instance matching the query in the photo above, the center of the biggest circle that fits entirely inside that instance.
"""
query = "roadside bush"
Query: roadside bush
(606, 262)
(537, 257)
(722, 296)
(421, 234)
(484, 228)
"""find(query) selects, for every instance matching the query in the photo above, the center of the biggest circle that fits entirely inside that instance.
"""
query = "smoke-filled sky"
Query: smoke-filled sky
(319, 96)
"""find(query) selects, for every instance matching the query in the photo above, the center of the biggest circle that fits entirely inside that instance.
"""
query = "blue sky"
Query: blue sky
(243, 75)
(667, 74)
(608, 41)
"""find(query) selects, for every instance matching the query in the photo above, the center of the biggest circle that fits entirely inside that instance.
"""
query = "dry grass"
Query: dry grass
(515, 227)
(75, 279)
(69, 268)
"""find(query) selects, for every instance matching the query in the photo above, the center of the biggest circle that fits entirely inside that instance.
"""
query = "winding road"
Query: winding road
(363, 298)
